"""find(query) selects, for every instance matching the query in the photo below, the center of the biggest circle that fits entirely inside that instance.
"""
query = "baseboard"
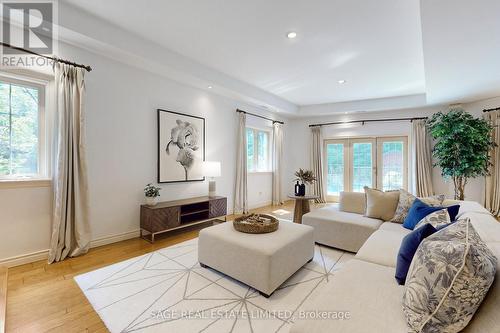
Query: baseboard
(44, 254)
(114, 238)
(260, 204)
(24, 258)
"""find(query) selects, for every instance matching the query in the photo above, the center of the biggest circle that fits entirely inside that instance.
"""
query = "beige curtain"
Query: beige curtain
(241, 187)
(422, 159)
(492, 197)
(277, 163)
(70, 220)
(317, 163)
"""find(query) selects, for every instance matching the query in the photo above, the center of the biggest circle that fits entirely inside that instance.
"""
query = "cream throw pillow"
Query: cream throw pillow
(381, 205)
(352, 202)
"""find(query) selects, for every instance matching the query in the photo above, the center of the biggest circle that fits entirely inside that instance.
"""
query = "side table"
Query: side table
(301, 206)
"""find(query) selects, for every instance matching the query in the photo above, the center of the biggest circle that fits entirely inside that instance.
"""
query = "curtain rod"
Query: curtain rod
(259, 116)
(87, 68)
(489, 110)
(366, 121)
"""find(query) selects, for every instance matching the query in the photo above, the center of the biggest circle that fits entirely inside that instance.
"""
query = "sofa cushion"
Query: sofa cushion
(367, 291)
(448, 279)
(381, 248)
(420, 209)
(394, 227)
(404, 204)
(343, 230)
(381, 205)
(352, 202)
(408, 248)
(436, 219)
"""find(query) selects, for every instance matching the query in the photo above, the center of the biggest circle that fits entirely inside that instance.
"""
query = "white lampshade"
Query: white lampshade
(211, 169)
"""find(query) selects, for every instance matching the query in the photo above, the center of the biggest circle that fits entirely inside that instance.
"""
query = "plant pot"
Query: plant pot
(151, 201)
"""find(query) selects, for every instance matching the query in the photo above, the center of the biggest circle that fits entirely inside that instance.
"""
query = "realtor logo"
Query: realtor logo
(28, 25)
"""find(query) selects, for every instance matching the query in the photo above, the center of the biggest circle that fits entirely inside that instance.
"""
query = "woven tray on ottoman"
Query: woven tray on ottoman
(256, 224)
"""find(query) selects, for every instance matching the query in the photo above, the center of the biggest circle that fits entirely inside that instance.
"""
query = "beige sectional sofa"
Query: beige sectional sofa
(365, 286)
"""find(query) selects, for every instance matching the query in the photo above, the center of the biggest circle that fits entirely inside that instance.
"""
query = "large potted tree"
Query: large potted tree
(462, 146)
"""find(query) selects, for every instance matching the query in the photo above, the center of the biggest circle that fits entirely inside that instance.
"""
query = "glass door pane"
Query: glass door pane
(392, 163)
(335, 165)
(362, 165)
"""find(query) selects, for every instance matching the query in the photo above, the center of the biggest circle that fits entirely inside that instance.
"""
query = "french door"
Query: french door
(351, 164)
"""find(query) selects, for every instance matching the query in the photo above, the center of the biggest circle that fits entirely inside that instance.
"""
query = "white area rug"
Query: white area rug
(168, 291)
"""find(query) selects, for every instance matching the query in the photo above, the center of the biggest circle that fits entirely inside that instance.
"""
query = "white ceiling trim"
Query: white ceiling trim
(368, 105)
(88, 32)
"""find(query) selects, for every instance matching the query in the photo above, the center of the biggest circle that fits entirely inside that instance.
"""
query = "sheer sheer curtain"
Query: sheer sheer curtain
(241, 187)
(492, 197)
(70, 221)
(422, 159)
(317, 163)
(277, 163)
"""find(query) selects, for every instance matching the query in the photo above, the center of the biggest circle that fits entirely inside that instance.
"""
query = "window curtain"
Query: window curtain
(70, 220)
(422, 159)
(277, 163)
(317, 163)
(241, 187)
(492, 197)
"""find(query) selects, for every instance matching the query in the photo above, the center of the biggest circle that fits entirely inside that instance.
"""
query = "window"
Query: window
(354, 163)
(258, 153)
(21, 129)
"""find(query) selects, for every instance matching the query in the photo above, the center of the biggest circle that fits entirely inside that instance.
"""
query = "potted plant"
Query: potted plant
(305, 177)
(152, 193)
(462, 146)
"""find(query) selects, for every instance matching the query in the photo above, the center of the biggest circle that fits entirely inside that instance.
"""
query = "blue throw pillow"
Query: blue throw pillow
(420, 209)
(453, 211)
(408, 248)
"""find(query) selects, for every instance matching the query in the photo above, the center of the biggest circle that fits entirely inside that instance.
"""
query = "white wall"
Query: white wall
(298, 140)
(121, 103)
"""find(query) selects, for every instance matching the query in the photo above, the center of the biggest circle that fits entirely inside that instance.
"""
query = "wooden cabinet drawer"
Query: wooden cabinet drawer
(155, 220)
(217, 207)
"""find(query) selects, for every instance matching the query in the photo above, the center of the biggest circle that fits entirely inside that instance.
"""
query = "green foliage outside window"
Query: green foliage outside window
(18, 130)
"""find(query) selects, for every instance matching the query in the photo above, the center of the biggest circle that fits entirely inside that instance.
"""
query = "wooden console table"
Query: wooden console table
(171, 215)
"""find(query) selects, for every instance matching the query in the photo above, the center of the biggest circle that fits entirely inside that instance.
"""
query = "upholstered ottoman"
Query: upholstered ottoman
(262, 261)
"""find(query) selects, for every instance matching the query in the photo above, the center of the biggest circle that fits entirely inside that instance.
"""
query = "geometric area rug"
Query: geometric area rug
(168, 291)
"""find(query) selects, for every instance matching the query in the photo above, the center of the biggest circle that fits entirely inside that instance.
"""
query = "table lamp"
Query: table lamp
(211, 170)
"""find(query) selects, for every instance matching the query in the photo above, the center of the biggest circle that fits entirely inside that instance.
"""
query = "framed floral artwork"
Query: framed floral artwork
(181, 147)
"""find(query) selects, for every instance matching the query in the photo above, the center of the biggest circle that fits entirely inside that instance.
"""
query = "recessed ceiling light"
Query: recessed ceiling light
(341, 81)
(209, 87)
(291, 35)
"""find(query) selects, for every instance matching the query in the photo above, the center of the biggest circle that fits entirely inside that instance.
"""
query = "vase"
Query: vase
(297, 188)
(151, 201)
(302, 190)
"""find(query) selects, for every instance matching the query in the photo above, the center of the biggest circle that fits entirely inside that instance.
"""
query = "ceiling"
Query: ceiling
(387, 50)
(374, 45)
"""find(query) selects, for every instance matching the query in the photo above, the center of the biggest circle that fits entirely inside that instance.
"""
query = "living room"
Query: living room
(148, 134)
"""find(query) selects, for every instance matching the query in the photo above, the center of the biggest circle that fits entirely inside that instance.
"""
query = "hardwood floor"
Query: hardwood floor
(45, 298)
(3, 296)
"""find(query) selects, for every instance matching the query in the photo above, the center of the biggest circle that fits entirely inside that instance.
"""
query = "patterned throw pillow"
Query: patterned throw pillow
(436, 219)
(435, 200)
(405, 202)
(448, 279)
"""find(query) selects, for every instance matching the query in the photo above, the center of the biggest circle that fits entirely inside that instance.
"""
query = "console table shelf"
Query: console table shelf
(172, 215)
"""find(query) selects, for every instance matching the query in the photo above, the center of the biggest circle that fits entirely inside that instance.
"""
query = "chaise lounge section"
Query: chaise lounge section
(366, 288)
